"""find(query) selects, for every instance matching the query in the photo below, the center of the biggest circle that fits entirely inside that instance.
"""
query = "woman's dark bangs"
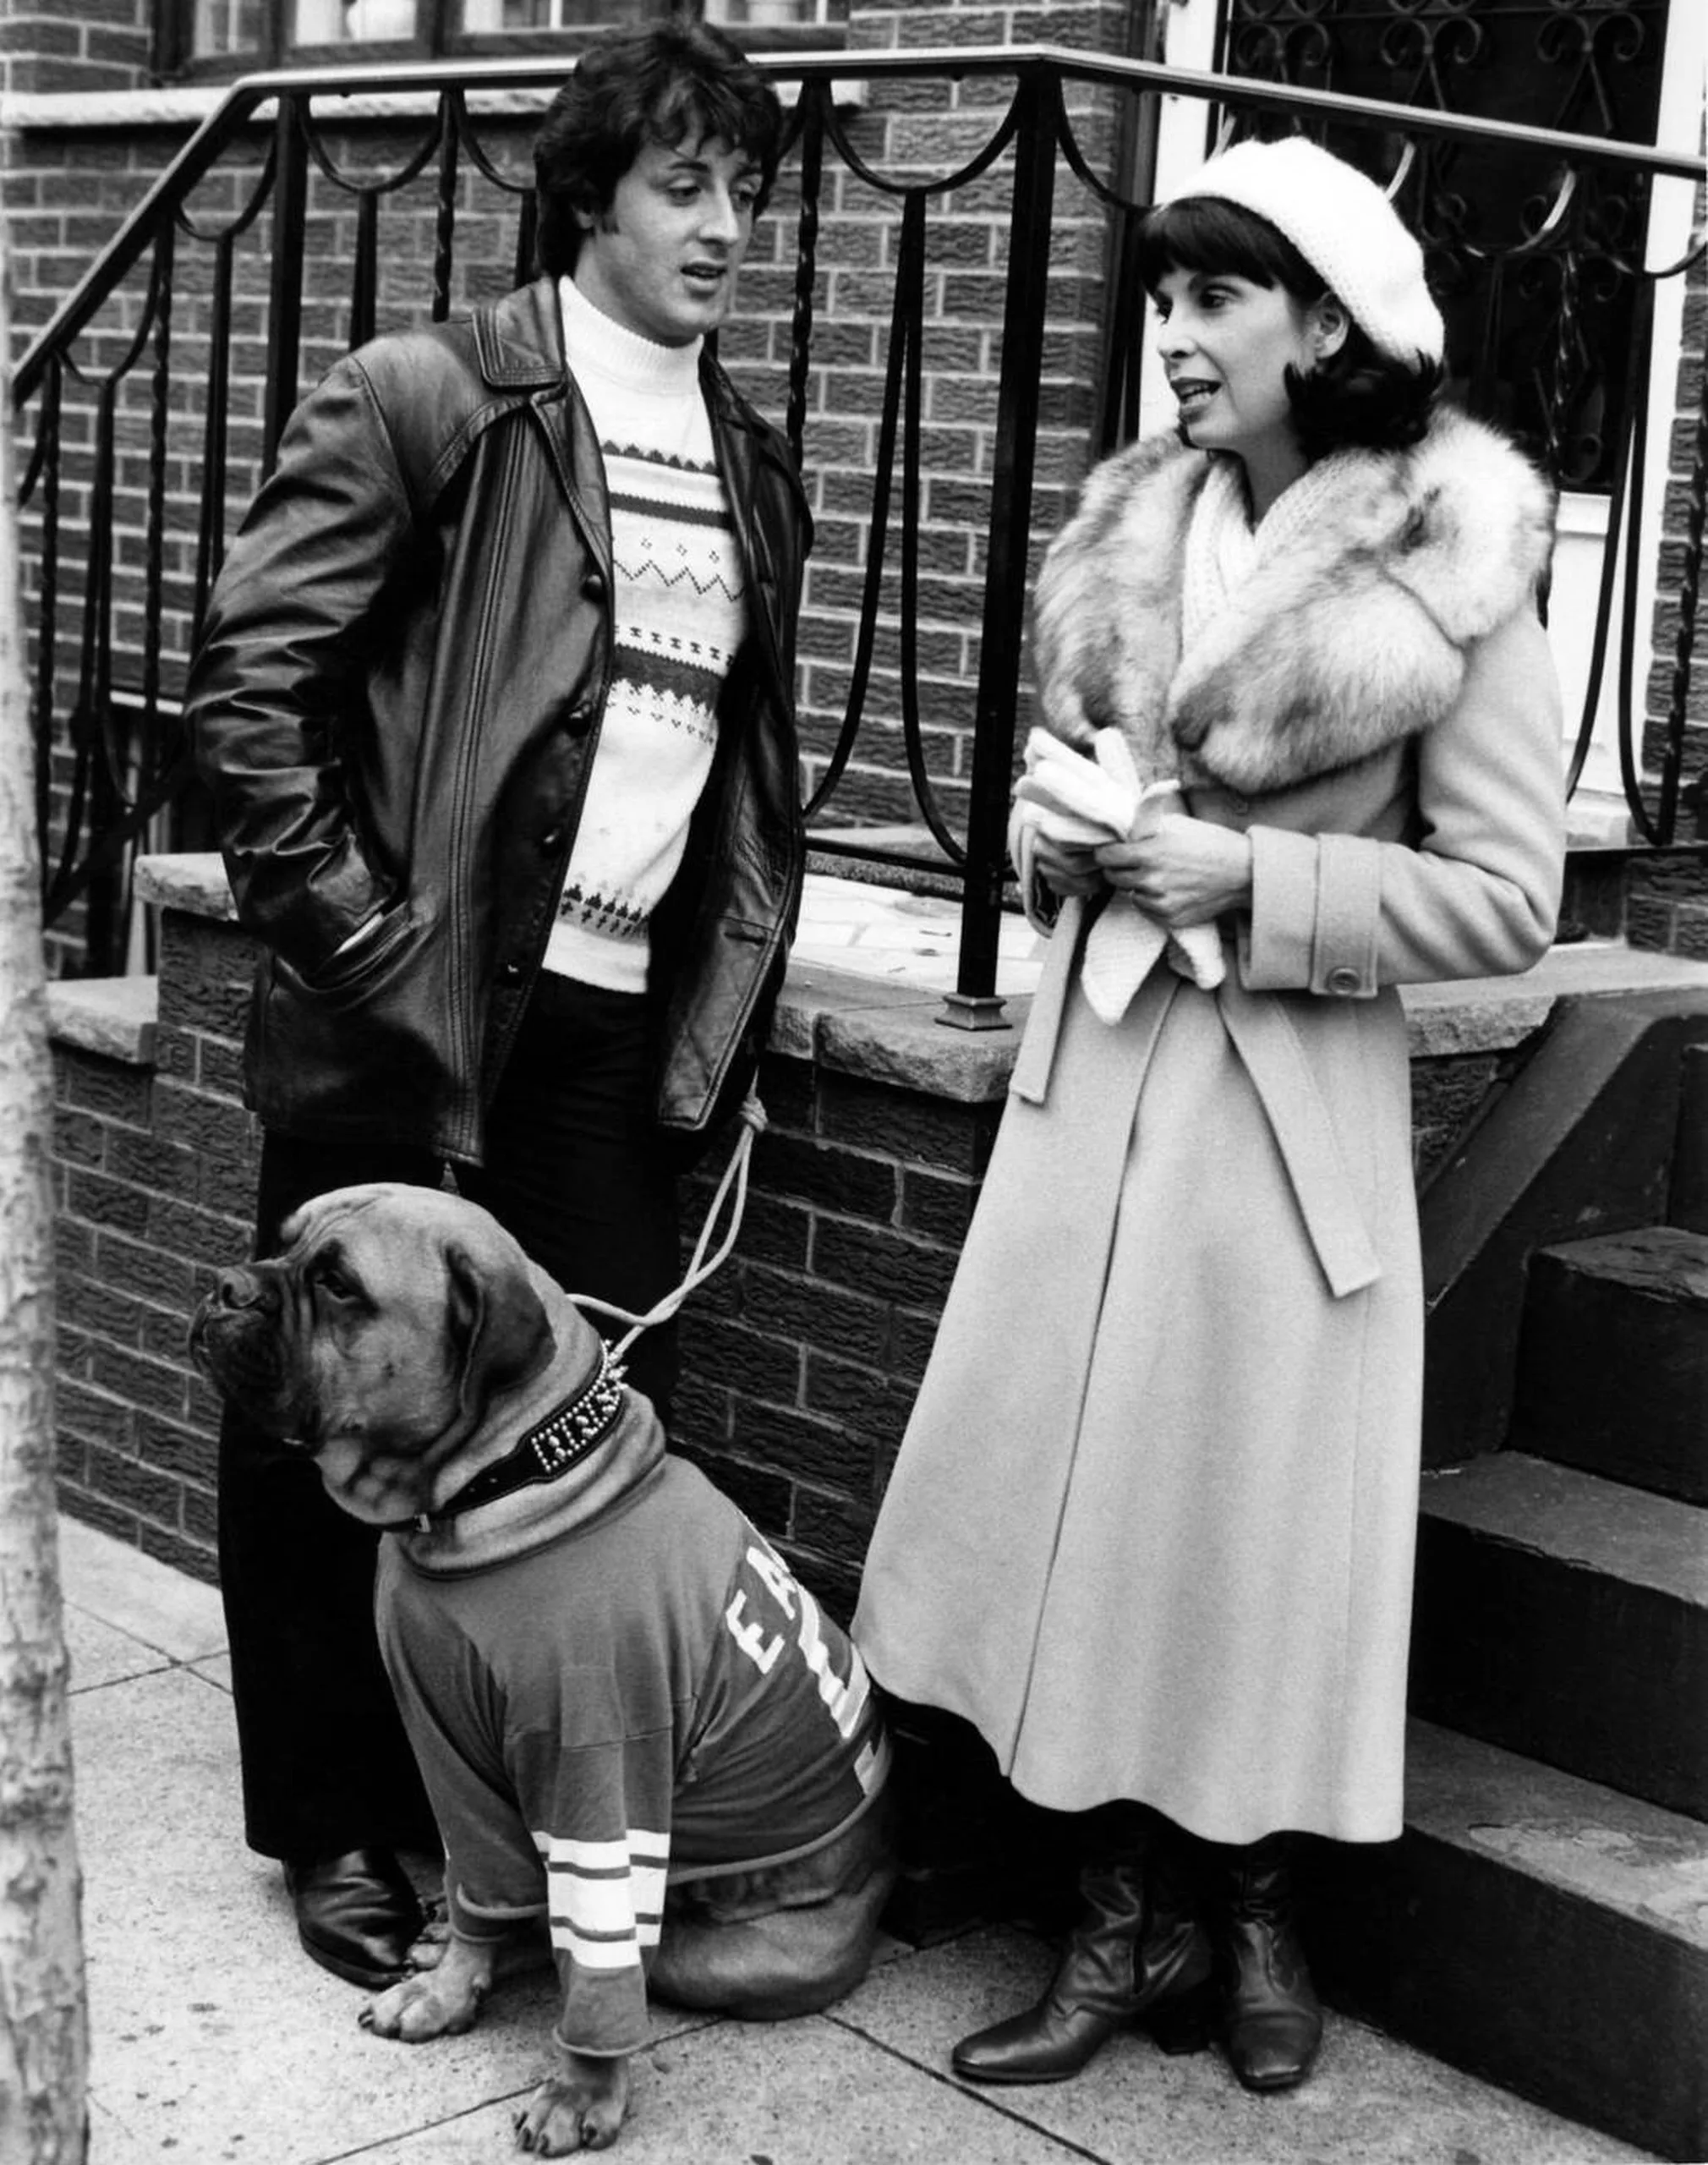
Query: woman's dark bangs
(1207, 234)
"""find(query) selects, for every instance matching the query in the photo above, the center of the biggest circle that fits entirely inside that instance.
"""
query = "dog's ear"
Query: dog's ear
(495, 1321)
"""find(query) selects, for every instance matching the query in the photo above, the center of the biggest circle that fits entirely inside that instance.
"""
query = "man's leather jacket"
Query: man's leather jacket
(396, 703)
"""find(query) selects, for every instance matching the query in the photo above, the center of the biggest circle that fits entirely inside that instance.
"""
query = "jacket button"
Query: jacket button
(511, 973)
(551, 839)
(593, 586)
(578, 720)
(1343, 978)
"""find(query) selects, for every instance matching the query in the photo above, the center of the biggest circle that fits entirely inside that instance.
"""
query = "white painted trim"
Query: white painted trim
(1582, 514)
(1684, 71)
(188, 105)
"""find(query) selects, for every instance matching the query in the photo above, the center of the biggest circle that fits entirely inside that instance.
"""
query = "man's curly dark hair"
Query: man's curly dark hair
(670, 82)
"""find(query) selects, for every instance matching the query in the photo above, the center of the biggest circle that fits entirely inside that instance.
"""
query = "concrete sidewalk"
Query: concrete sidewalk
(217, 2042)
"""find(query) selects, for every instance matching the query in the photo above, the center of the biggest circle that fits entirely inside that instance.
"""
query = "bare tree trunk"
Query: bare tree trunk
(43, 2025)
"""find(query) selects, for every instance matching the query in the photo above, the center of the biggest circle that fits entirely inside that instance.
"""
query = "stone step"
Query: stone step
(1566, 1617)
(1613, 1365)
(1535, 1929)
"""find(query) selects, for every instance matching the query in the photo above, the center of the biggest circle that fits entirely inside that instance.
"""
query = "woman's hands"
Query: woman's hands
(1066, 868)
(1180, 871)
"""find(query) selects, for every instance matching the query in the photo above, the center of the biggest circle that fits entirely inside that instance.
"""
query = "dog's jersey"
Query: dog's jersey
(651, 1698)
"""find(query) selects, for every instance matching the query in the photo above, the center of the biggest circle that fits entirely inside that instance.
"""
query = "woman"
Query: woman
(1166, 1567)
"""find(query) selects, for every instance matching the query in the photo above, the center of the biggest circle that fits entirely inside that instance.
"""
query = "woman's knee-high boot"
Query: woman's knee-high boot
(1271, 2019)
(1139, 1954)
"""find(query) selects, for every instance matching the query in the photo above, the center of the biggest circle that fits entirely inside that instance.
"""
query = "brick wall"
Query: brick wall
(155, 1170)
(1668, 902)
(99, 44)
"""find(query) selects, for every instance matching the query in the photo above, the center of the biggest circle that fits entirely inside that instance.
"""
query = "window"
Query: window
(568, 15)
(225, 37)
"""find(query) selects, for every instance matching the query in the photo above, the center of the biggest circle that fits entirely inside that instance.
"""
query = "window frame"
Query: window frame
(177, 62)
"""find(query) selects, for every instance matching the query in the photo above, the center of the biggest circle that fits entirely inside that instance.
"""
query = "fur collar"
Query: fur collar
(1347, 641)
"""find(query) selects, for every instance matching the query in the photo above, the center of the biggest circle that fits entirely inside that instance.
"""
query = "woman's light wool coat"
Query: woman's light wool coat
(1151, 1527)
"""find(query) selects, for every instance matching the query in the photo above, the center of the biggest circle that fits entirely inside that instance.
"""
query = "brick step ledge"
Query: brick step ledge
(871, 1009)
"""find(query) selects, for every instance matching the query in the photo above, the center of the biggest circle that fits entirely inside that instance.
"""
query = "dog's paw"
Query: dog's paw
(427, 1949)
(582, 2111)
(418, 2010)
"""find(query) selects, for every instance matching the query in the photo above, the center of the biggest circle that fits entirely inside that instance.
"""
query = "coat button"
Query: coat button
(511, 973)
(1343, 978)
(551, 840)
(593, 586)
(578, 720)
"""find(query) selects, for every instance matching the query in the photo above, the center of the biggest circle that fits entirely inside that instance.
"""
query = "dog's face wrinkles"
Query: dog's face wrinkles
(361, 1343)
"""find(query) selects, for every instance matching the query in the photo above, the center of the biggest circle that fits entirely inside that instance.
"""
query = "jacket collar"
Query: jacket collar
(519, 340)
(519, 343)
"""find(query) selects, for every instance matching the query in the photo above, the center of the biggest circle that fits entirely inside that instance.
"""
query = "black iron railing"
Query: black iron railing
(158, 391)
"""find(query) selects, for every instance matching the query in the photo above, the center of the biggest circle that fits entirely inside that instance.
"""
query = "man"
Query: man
(494, 701)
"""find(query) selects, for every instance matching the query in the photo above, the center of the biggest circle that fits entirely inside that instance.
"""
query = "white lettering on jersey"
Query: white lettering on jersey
(751, 1637)
(844, 1700)
(774, 1572)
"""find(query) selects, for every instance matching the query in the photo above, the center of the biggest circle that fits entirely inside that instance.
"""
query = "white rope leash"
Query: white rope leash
(751, 1116)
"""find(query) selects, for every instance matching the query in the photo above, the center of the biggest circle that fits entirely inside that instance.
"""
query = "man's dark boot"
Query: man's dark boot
(357, 1914)
(1271, 2019)
(1138, 1955)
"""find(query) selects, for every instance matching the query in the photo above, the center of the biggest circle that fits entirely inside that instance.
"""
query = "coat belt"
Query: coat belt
(1273, 1056)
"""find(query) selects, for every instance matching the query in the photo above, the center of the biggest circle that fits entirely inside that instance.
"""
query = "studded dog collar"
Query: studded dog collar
(550, 1447)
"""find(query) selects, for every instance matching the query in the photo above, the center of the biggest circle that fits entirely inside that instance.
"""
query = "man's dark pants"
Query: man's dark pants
(574, 1170)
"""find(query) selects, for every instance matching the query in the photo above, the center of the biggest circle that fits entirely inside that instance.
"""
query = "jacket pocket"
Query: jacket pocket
(362, 1051)
(354, 967)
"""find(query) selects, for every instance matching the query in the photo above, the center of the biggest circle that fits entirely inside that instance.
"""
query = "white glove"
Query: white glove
(1072, 798)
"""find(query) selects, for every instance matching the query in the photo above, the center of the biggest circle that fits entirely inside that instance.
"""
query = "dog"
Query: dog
(634, 1721)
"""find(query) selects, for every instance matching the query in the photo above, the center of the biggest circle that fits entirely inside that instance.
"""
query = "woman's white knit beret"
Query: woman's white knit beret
(1345, 227)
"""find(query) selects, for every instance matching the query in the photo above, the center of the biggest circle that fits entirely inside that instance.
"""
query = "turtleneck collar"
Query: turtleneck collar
(600, 346)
